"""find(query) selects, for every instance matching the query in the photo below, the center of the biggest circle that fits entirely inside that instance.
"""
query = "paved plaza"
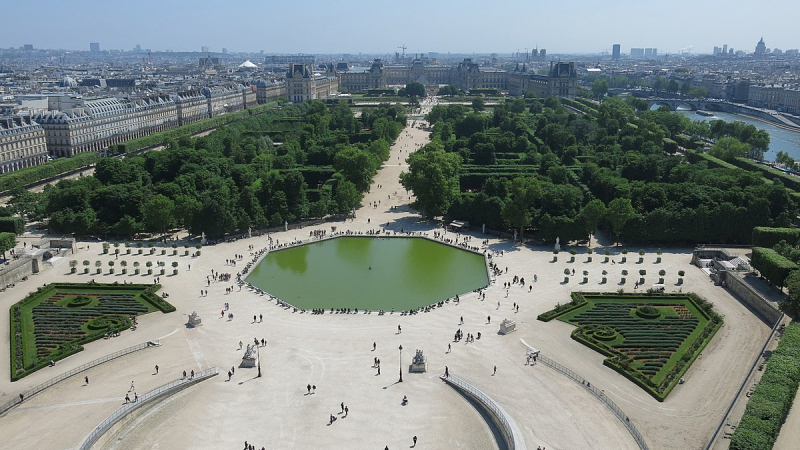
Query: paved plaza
(335, 353)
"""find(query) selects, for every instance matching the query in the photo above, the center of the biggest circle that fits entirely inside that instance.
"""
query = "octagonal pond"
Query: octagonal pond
(375, 273)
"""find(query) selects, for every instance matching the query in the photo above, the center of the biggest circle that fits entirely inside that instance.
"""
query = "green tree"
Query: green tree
(415, 89)
(433, 178)
(158, 213)
(784, 158)
(7, 242)
(599, 88)
(729, 148)
(478, 104)
(347, 196)
(619, 212)
(591, 215)
(524, 191)
(356, 165)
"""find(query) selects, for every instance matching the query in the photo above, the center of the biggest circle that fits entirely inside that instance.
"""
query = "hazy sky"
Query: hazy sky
(380, 26)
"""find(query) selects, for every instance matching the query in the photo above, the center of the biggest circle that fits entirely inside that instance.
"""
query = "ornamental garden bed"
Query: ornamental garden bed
(53, 322)
(652, 339)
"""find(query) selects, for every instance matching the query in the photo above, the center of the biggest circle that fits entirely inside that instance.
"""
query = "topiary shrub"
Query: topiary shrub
(648, 312)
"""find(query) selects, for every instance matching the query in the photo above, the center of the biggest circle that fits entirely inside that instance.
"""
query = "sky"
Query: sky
(381, 26)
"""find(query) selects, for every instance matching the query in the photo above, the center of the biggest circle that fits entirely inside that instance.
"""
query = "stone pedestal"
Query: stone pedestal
(194, 320)
(419, 364)
(507, 326)
(250, 358)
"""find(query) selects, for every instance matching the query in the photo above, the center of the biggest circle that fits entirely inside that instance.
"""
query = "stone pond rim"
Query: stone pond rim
(369, 272)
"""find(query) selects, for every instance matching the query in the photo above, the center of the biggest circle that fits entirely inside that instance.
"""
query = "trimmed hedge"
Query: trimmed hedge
(48, 170)
(577, 302)
(713, 162)
(14, 225)
(790, 181)
(770, 403)
(768, 236)
(772, 265)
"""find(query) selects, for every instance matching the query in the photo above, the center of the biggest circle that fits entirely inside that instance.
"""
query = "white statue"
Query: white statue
(483, 229)
(203, 238)
(285, 226)
(558, 245)
(249, 232)
(515, 235)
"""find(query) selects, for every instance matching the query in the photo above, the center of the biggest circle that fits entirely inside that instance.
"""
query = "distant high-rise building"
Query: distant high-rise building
(761, 47)
(792, 51)
(650, 52)
(543, 54)
(717, 50)
(138, 48)
(224, 51)
(204, 49)
(730, 51)
(637, 52)
(94, 47)
(615, 51)
(724, 48)
(27, 47)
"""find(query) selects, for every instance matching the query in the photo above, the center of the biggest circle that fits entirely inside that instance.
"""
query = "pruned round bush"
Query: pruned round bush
(79, 302)
(103, 322)
(648, 312)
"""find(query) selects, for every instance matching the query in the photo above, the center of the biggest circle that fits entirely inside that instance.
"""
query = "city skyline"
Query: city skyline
(356, 26)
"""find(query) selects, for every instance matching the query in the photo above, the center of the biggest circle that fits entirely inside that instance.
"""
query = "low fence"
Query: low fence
(511, 432)
(143, 399)
(599, 394)
(36, 389)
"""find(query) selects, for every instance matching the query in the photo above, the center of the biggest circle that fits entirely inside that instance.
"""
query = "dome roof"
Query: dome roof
(248, 65)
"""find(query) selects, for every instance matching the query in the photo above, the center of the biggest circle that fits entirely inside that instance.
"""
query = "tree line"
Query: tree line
(533, 166)
(304, 160)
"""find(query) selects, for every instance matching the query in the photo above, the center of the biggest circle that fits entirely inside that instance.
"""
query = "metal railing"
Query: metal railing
(511, 433)
(600, 395)
(143, 399)
(36, 389)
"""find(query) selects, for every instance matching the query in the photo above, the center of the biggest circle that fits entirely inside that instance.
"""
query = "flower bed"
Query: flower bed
(651, 339)
(55, 321)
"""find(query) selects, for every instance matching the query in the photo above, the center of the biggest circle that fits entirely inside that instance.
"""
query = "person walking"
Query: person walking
(156, 369)
(448, 348)
(495, 371)
(399, 330)
(446, 372)
(346, 411)
(131, 389)
(86, 379)
(415, 441)
(308, 388)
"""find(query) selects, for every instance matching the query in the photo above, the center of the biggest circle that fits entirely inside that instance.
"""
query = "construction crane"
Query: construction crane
(404, 49)
(686, 50)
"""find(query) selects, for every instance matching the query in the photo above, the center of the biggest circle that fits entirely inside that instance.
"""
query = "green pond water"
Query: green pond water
(369, 273)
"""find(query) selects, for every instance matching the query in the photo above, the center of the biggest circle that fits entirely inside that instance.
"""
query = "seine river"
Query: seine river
(780, 139)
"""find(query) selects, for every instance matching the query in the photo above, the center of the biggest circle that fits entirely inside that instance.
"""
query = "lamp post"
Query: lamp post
(401, 364)
(258, 353)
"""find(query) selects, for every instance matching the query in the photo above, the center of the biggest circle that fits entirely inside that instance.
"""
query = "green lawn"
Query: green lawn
(55, 321)
(650, 338)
